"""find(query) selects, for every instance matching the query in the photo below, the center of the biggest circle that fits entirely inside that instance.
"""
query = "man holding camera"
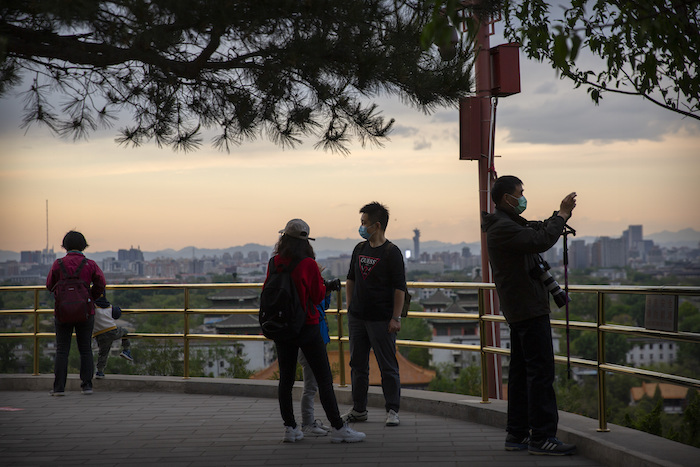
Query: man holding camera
(514, 245)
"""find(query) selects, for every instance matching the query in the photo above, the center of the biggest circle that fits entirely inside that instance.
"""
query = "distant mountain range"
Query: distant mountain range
(326, 247)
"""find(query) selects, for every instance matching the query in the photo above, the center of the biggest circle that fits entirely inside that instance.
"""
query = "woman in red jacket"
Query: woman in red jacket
(294, 245)
(74, 243)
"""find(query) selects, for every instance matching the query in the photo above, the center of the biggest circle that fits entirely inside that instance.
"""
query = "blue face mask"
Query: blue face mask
(522, 205)
(363, 232)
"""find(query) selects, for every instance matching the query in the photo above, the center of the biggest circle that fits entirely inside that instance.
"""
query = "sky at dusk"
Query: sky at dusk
(629, 161)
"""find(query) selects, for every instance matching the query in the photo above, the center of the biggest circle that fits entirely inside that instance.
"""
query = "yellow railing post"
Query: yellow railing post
(341, 346)
(186, 344)
(482, 339)
(602, 419)
(36, 331)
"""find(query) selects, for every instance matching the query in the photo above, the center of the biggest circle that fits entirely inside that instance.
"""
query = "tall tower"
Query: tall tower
(416, 244)
(47, 225)
(47, 256)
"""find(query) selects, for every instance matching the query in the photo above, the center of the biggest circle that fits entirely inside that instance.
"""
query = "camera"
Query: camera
(332, 285)
(541, 272)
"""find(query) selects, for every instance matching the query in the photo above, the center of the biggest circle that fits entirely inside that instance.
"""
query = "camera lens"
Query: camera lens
(560, 297)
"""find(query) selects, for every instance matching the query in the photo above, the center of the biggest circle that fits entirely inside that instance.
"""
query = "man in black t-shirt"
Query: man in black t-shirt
(376, 285)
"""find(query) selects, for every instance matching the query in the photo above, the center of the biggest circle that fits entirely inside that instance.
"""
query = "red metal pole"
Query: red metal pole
(482, 72)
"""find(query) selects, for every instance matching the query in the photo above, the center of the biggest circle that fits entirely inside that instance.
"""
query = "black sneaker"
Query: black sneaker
(550, 447)
(517, 443)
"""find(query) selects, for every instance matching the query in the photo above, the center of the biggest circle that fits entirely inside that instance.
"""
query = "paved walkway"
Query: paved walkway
(138, 420)
(127, 429)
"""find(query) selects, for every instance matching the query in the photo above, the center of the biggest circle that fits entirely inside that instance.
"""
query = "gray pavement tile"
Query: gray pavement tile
(196, 430)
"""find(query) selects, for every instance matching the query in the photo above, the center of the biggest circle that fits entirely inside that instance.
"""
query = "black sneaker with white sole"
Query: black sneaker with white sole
(550, 447)
(517, 443)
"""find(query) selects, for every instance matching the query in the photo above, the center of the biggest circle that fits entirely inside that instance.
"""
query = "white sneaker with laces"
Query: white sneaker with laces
(292, 434)
(392, 418)
(346, 435)
(315, 429)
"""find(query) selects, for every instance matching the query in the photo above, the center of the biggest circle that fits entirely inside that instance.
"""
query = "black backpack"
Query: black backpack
(72, 294)
(282, 314)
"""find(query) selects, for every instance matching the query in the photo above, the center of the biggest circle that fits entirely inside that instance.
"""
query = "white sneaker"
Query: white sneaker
(292, 434)
(315, 429)
(346, 435)
(392, 418)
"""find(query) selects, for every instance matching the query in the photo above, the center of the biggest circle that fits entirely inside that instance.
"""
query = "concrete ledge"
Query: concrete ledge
(620, 447)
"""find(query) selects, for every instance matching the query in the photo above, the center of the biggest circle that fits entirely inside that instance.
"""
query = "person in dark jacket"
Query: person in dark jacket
(514, 247)
(74, 243)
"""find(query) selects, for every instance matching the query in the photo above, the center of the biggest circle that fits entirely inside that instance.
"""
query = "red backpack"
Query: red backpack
(73, 300)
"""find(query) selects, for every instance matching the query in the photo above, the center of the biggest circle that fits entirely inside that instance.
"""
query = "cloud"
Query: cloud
(403, 130)
(550, 111)
(548, 87)
(565, 119)
(447, 115)
(420, 144)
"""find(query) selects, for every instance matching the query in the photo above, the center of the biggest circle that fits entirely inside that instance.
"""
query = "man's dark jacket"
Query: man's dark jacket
(514, 245)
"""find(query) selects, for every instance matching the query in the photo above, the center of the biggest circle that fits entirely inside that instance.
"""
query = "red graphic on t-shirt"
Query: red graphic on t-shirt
(367, 263)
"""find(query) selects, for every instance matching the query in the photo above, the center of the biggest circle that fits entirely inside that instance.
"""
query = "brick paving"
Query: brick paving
(113, 428)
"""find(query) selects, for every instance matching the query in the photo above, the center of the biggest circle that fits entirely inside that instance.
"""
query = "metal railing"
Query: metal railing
(601, 328)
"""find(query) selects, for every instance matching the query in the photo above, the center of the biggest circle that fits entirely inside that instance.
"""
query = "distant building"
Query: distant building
(553, 256)
(164, 268)
(651, 351)
(675, 398)
(614, 274)
(634, 241)
(132, 254)
(609, 252)
(30, 257)
(430, 267)
(48, 256)
(416, 244)
(438, 302)
(579, 255)
(468, 300)
(336, 266)
(412, 375)
(259, 353)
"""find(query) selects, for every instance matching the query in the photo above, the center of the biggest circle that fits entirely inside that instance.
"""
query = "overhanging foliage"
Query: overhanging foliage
(281, 69)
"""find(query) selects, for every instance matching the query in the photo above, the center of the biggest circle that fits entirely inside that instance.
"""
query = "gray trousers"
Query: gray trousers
(104, 342)
(373, 335)
(309, 394)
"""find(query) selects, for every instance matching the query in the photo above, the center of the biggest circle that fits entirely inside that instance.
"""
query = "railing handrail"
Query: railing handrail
(600, 326)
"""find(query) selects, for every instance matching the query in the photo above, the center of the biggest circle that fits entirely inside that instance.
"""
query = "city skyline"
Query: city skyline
(686, 238)
(629, 161)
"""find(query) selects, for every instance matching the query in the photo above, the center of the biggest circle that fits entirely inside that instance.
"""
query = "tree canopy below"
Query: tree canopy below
(279, 69)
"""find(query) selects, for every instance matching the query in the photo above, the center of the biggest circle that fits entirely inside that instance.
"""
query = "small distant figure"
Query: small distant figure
(74, 266)
(310, 426)
(106, 331)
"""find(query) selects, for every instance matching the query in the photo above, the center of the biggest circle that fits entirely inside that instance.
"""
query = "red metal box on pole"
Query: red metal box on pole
(469, 129)
(505, 70)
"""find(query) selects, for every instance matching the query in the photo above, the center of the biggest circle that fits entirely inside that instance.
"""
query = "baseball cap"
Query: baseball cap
(297, 228)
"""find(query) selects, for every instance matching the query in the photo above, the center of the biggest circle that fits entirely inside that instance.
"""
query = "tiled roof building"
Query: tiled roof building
(412, 375)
